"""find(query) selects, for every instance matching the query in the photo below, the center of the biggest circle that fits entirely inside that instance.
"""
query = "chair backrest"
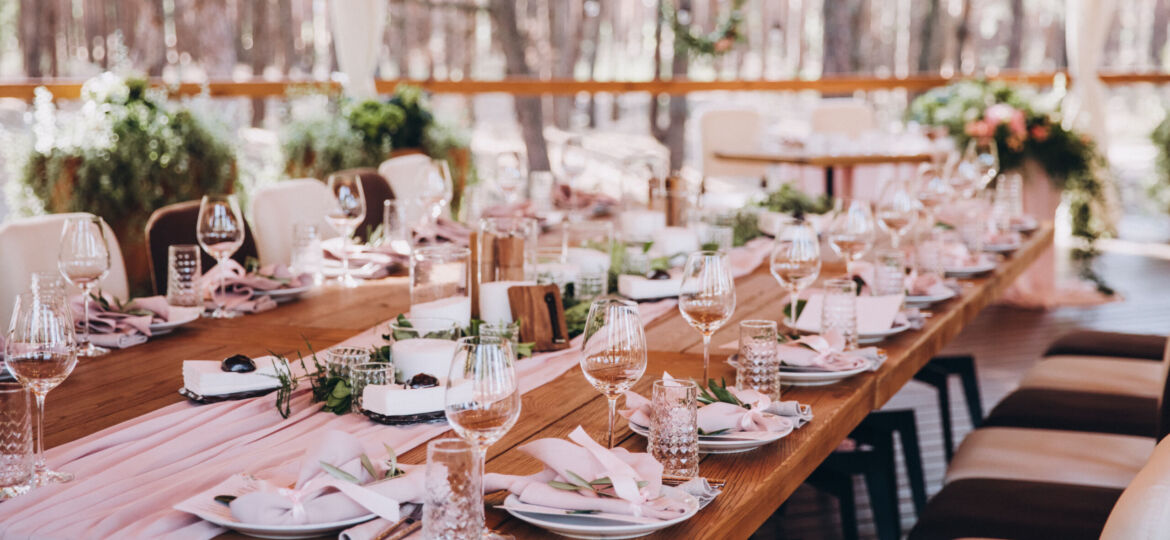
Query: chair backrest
(402, 172)
(844, 116)
(730, 129)
(276, 208)
(1164, 399)
(175, 224)
(30, 245)
(1143, 510)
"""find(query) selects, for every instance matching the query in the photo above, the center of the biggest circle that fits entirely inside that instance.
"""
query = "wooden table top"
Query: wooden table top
(821, 160)
(125, 384)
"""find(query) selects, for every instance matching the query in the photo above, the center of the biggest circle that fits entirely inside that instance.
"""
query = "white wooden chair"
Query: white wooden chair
(276, 208)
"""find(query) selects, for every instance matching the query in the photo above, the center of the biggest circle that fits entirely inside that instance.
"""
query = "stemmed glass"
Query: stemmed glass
(84, 260)
(982, 158)
(41, 353)
(573, 162)
(347, 212)
(852, 229)
(483, 394)
(220, 231)
(707, 299)
(897, 210)
(437, 190)
(796, 261)
(510, 174)
(613, 351)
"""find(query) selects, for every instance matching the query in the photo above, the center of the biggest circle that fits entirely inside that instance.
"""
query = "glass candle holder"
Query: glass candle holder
(758, 366)
(889, 272)
(364, 374)
(674, 427)
(839, 310)
(16, 440)
(440, 284)
(183, 271)
(339, 360)
(422, 345)
(308, 256)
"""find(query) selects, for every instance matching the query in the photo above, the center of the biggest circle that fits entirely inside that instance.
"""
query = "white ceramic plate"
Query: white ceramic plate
(589, 527)
(816, 378)
(862, 339)
(1001, 248)
(971, 271)
(1029, 224)
(719, 444)
(183, 315)
(285, 295)
(926, 300)
(288, 531)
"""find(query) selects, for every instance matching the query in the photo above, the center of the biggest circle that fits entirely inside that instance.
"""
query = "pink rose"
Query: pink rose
(1040, 133)
(980, 129)
(1002, 113)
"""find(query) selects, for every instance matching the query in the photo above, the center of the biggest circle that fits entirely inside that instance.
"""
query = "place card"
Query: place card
(875, 314)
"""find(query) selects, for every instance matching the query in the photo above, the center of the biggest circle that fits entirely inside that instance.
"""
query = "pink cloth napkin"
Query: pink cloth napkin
(585, 458)
(564, 197)
(367, 262)
(762, 414)
(1003, 238)
(318, 497)
(113, 328)
(238, 289)
(956, 256)
(827, 352)
(927, 284)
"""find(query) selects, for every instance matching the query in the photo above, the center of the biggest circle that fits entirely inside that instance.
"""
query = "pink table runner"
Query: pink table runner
(130, 475)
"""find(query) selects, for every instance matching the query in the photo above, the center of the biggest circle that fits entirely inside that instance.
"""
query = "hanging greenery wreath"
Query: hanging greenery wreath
(717, 43)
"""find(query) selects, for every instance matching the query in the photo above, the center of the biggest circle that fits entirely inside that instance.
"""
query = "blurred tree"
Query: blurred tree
(528, 108)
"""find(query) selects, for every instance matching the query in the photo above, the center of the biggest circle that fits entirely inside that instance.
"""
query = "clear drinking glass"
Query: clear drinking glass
(720, 237)
(453, 507)
(796, 261)
(347, 212)
(308, 257)
(553, 268)
(41, 352)
(183, 271)
(84, 259)
(613, 350)
(982, 154)
(395, 231)
(928, 254)
(898, 209)
(340, 360)
(436, 190)
(47, 282)
(364, 374)
(574, 159)
(674, 427)
(758, 366)
(590, 285)
(220, 231)
(839, 310)
(541, 186)
(707, 300)
(440, 283)
(889, 272)
(16, 440)
(973, 224)
(510, 174)
(483, 393)
(851, 232)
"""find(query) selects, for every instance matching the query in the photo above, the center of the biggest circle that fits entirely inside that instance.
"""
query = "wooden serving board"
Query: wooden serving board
(542, 316)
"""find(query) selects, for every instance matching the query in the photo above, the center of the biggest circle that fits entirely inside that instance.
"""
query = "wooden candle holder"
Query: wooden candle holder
(541, 313)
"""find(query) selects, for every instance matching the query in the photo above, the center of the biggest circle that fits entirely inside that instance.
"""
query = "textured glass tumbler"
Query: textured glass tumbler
(889, 272)
(840, 310)
(16, 440)
(308, 257)
(183, 270)
(590, 285)
(453, 504)
(339, 360)
(758, 366)
(365, 374)
(928, 254)
(674, 427)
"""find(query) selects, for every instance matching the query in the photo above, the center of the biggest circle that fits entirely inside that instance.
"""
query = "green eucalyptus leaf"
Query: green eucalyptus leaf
(338, 473)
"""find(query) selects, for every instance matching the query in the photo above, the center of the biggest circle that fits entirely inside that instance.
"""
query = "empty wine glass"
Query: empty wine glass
(897, 209)
(84, 259)
(438, 188)
(510, 175)
(574, 159)
(707, 297)
(851, 233)
(796, 261)
(983, 155)
(40, 354)
(613, 350)
(220, 231)
(483, 394)
(347, 212)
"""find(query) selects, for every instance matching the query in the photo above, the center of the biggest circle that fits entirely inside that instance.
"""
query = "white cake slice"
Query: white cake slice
(206, 378)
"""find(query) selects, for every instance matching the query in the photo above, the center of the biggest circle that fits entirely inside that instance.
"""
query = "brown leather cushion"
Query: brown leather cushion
(376, 190)
(175, 224)
(1076, 411)
(991, 508)
(1096, 343)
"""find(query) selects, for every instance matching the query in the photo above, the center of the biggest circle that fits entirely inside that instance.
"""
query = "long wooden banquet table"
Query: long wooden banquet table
(125, 384)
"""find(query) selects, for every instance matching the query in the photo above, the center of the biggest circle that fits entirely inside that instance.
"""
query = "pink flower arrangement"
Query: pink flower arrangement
(1002, 113)
(1040, 133)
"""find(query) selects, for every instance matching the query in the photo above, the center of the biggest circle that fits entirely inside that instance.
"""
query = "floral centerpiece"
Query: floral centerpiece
(1026, 126)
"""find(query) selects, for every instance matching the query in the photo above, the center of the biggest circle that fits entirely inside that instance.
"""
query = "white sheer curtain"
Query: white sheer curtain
(357, 37)
(1086, 27)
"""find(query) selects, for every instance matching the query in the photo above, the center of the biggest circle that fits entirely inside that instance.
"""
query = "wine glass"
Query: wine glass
(613, 350)
(40, 354)
(852, 229)
(483, 394)
(796, 260)
(220, 231)
(707, 299)
(983, 155)
(573, 161)
(897, 209)
(438, 189)
(510, 174)
(84, 260)
(347, 212)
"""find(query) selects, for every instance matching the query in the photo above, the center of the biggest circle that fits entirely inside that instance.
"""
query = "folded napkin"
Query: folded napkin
(827, 352)
(319, 497)
(450, 231)
(238, 292)
(365, 262)
(111, 324)
(565, 197)
(927, 284)
(582, 457)
(761, 413)
(206, 378)
(1003, 238)
(956, 256)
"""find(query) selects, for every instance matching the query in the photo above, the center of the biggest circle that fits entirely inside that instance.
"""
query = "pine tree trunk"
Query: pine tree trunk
(1016, 36)
(528, 108)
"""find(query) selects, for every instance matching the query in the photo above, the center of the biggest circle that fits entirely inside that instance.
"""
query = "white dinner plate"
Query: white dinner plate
(283, 295)
(182, 315)
(1001, 248)
(726, 444)
(1028, 224)
(590, 527)
(926, 300)
(816, 378)
(288, 531)
(862, 339)
(971, 271)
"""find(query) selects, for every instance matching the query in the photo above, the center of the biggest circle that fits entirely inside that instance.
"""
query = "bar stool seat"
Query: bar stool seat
(1076, 411)
(1111, 344)
(1097, 374)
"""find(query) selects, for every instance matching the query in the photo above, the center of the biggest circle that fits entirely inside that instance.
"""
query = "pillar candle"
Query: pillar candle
(456, 308)
(494, 306)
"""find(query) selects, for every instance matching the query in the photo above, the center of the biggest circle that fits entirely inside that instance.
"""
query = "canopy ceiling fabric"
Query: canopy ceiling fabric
(1086, 28)
(357, 37)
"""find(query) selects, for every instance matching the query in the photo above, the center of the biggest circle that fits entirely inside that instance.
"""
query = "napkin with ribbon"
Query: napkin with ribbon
(827, 352)
(634, 485)
(116, 325)
(239, 288)
(365, 262)
(956, 256)
(760, 414)
(932, 285)
(320, 497)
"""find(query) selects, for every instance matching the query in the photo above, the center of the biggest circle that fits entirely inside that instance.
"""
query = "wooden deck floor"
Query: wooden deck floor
(1006, 342)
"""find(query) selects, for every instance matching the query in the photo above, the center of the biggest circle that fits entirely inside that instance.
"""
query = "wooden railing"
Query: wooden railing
(71, 89)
